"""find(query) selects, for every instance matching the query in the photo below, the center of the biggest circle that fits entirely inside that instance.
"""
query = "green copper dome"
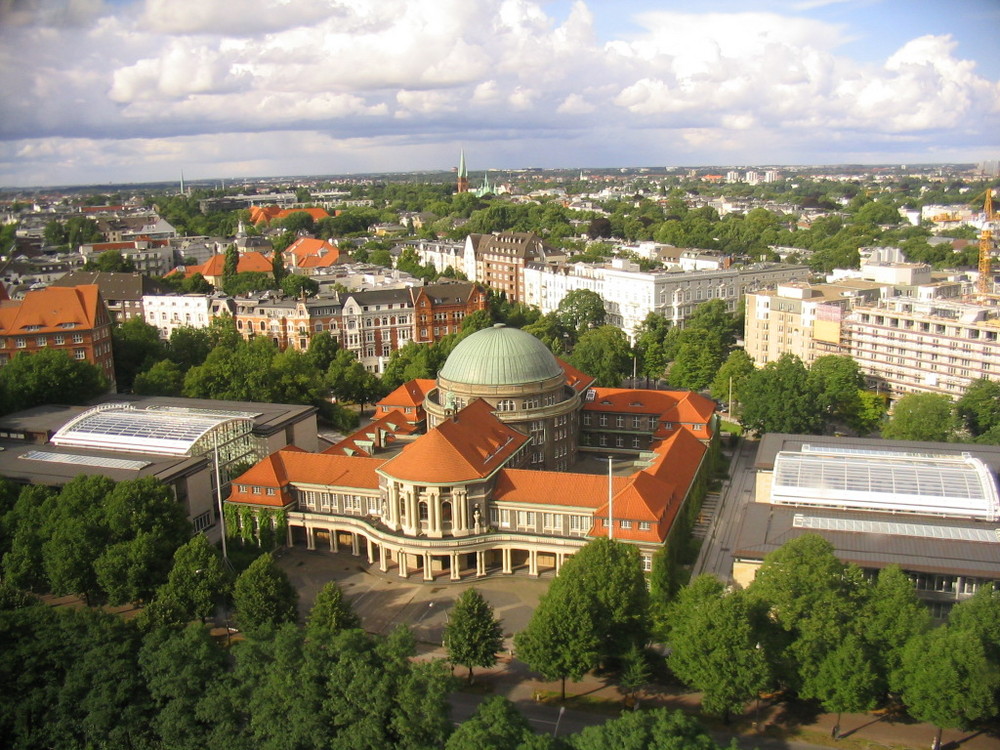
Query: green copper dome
(500, 356)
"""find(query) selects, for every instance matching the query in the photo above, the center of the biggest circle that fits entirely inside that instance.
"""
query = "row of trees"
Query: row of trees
(82, 678)
(974, 417)
(809, 625)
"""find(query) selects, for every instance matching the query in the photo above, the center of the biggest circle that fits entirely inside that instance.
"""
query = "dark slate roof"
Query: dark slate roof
(115, 285)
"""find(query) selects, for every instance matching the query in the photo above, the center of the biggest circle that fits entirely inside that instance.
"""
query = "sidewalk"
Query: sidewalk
(384, 601)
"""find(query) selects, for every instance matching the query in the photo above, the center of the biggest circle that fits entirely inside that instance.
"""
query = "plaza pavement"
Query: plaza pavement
(383, 601)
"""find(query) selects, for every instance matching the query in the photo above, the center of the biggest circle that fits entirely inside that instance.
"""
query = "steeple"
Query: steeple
(463, 175)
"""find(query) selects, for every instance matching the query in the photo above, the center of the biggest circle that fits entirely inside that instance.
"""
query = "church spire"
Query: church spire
(463, 175)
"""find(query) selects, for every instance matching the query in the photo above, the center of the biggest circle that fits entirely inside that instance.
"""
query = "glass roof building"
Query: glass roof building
(886, 480)
(165, 431)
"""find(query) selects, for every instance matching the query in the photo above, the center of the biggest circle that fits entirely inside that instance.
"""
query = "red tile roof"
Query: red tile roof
(472, 444)
(292, 464)
(411, 393)
(374, 436)
(46, 310)
(251, 261)
(575, 379)
(587, 491)
(308, 252)
(674, 407)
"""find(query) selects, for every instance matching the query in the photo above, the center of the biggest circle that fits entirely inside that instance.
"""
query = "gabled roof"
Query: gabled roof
(252, 261)
(575, 379)
(444, 294)
(373, 437)
(410, 393)
(52, 309)
(673, 407)
(472, 444)
(309, 252)
(115, 285)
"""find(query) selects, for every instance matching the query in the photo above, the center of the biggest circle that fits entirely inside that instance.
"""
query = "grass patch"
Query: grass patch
(591, 703)
(733, 428)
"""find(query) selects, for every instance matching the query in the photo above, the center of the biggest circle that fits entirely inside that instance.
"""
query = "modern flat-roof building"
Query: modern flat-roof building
(933, 509)
(178, 441)
(502, 478)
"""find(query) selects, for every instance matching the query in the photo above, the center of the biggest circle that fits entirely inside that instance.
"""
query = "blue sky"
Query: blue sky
(96, 91)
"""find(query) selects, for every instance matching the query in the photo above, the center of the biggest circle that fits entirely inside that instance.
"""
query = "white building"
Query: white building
(172, 311)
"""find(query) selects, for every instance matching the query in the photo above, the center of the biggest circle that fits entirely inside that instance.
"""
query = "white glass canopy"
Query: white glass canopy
(892, 481)
(172, 432)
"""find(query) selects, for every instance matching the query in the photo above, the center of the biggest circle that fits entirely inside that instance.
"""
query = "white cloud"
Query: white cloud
(445, 71)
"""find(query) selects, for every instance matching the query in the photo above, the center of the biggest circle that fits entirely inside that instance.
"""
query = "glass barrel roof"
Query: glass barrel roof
(947, 485)
(121, 427)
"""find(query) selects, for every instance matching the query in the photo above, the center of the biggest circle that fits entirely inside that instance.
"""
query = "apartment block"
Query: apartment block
(906, 345)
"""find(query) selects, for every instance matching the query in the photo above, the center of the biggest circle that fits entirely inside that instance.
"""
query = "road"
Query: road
(716, 551)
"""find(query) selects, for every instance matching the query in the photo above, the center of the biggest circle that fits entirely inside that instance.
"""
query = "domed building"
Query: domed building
(499, 464)
(526, 385)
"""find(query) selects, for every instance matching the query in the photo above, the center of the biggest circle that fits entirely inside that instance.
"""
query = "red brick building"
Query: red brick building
(70, 319)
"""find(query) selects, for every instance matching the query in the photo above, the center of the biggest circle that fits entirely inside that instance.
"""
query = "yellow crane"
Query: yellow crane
(986, 247)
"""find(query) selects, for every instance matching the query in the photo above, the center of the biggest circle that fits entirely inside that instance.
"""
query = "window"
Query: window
(619, 421)
(525, 518)
(19, 342)
(256, 490)
(643, 525)
(504, 518)
(647, 563)
(271, 491)
(202, 522)
(603, 420)
(79, 354)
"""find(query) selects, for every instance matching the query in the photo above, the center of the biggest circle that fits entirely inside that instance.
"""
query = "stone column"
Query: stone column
(506, 560)
(455, 572)
(533, 562)
(310, 538)
(355, 546)
(560, 559)
(383, 563)
(480, 563)
(428, 573)
(401, 560)
(371, 556)
(334, 546)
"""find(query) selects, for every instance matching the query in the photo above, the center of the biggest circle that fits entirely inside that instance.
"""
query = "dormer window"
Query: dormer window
(67, 325)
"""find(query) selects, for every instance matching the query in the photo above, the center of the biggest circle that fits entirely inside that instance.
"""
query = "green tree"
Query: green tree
(55, 233)
(837, 382)
(179, 668)
(248, 282)
(634, 674)
(137, 347)
(979, 410)
(980, 616)
(610, 574)
(164, 378)
(715, 646)
(846, 680)
(892, 615)
(698, 359)
(649, 344)
(111, 261)
(278, 270)
(603, 353)
(330, 614)
(581, 310)
(231, 263)
(732, 376)
(473, 635)
(197, 581)
(263, 597)
(295, 285)
(561, 640)
(947, 679)
(922, 416)
(188, 346)
(659, 729)
(496, 724)
(49, 377)
(777, 398)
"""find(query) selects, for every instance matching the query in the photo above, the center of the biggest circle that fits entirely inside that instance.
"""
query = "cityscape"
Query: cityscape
(499, 374)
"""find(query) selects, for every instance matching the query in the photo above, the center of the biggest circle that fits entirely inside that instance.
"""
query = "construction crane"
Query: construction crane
(985, 286)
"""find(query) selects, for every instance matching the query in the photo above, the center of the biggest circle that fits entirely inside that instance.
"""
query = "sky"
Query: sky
(113, 91)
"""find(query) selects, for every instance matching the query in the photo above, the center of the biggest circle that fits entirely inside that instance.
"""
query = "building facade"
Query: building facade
(73, 320)
(462, 498)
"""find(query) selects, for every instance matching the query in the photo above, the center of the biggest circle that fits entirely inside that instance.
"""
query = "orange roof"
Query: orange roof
(575, 379)
(308, 252)
(674, 407)
(555, 488)
(251, 261)
(267, 214)
(378, 434)
(47, 310)
(410, 393)
(472, 444)
(292, 464)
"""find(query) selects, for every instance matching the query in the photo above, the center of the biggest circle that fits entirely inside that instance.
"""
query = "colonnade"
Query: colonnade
(476, 560)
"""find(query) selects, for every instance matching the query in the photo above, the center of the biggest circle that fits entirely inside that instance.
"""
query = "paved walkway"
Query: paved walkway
(384, 601)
